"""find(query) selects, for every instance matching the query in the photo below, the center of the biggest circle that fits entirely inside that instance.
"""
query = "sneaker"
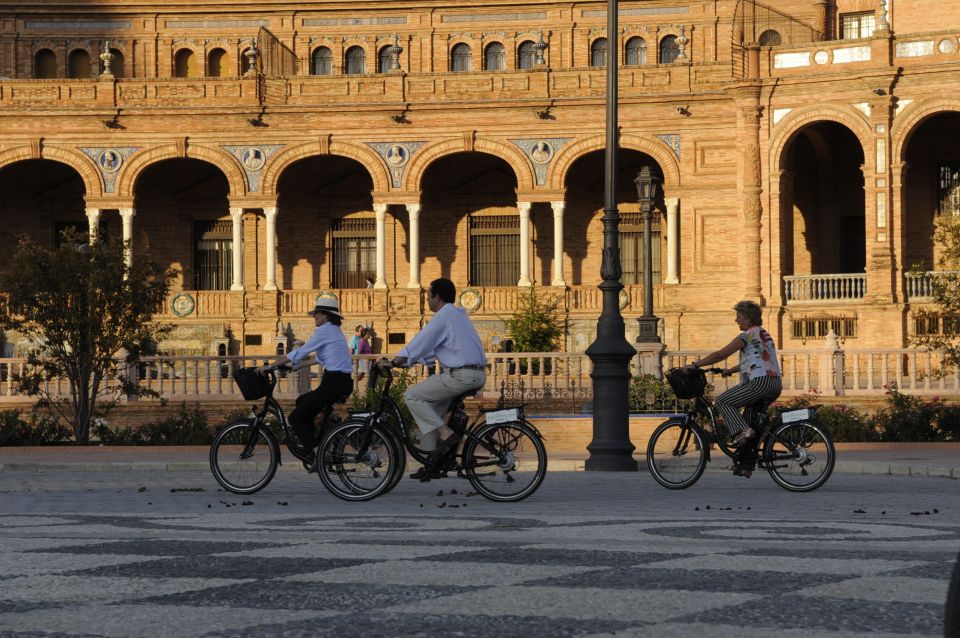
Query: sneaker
(428, 472)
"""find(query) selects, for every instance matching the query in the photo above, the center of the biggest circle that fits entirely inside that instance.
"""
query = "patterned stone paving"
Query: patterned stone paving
(590, 555)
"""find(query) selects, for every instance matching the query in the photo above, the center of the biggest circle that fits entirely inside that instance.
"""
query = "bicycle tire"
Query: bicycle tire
(236, 466)
(348, 475)
(813, 450)
(951, 626)
(671, 460)
(513, 458)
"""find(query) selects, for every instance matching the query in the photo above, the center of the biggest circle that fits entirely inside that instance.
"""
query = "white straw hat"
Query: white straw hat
(327, 304)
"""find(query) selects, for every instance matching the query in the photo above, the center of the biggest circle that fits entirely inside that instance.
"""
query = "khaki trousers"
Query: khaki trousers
(430, 399)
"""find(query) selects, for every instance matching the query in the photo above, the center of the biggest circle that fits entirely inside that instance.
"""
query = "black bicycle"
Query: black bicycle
(792, 446)
(245, 454)
(502, 454)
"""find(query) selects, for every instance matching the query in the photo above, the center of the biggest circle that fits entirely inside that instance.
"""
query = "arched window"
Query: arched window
(117, 63)
(770, 38)
(217, 63)
(321, 62)
(45, 64)
(494, 58)
(669, 49)
(185, 64)
(356, 61)
(78, 65)
(526, 55)
(461, 58)
(383, 60)
(636, 53)
(598, 52)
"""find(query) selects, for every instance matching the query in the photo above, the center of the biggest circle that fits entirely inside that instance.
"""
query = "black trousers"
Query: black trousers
(334, 386)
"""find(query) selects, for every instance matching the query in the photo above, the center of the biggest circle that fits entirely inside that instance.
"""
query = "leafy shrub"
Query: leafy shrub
(368, 399)
(537, 323)
(649, 394)
(948, 424)
(847, 425)
(908, 418)
(36, 429)
(187, 427)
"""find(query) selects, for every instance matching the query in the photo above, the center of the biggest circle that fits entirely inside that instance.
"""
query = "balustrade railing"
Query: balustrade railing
(820, 288)
(919, 286)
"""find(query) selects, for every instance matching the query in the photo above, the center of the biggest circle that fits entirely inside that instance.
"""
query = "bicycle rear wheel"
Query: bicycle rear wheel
(799, 456)
(676, 455)
(244, 457)
(509, 465)
(356, 460)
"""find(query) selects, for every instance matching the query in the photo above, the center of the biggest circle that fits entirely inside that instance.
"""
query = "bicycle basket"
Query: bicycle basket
(687, 383)
(252, 385)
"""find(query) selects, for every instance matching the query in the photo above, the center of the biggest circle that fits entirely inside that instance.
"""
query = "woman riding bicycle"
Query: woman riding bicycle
(329, 347)
(759, 371)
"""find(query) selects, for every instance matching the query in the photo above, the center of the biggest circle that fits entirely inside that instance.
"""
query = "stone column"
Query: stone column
(236, 213)
(748, 124)
(673, 228)
(413, 242)
(821, 18)
(270, 212)
(524, 209)
(126, 215)
(558, 209)
(93, 224)
(381, 211)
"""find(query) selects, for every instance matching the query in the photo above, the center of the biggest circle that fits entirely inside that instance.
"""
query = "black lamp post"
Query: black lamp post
(647, 184)
(611, 449)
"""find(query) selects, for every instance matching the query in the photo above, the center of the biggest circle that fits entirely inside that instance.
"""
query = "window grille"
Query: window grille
(213, 255)
(819, 327)
(669, 49)
(631, 247)
(494, 250)
(598, 52)
(322, 61)
(857, 25)
(950, 189)
(356, 61)
(494, 58)
(525, 55)
(636, 54)
(354, 252)
(461, 58)
(931, 324)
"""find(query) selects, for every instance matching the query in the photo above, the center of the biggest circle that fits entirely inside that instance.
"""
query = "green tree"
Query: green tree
(82, 308)
(945, 287)
(536, 324)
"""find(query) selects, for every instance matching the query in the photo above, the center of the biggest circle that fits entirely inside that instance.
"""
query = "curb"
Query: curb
(555, 465)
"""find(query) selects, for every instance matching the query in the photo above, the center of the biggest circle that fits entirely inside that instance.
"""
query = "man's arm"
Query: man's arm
(422, 345)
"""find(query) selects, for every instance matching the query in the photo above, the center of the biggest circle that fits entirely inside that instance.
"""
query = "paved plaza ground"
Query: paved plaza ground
(165, 553)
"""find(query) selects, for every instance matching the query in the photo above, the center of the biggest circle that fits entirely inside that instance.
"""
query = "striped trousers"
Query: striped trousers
(730, 402)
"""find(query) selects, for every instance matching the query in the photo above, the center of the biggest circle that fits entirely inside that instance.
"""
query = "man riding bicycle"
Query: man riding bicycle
(451, 339)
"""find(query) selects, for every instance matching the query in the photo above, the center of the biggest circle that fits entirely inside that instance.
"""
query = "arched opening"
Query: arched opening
(470, 200)
(526, 54)
(356, 61)
(117, 64)
(823, 223)
(598, 52)
(42, 198)
(636, 52)
(461, 58)
(217, 63)
(494, 58)
(384, 61)
(185, 64)
(931, 187)
(669, 49)
(78, 64)
(183, 221)
(770, 38)
(45, 64)
(326, 227)
(321, 61)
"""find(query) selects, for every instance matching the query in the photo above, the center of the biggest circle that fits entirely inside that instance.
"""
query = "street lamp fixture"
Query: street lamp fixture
(647, 184)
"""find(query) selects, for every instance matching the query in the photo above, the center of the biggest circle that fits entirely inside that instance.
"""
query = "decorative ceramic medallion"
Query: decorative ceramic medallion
(470, 300)
(183, 304)
(397, 155)
(253, 159)
(109, 161)
(541, 152)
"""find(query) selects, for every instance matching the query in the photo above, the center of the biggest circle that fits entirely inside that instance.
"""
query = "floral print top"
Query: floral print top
(758, 357)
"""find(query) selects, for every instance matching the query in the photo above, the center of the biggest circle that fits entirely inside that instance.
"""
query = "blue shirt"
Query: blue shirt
(450, 338)
(330, 347)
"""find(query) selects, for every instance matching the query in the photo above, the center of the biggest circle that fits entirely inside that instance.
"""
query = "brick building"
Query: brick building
(274, 152)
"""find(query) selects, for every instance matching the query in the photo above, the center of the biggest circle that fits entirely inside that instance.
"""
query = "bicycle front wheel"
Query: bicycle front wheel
(676, 455)
(508, 464)
(356, 461)
(244, 457)
(799, 456)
